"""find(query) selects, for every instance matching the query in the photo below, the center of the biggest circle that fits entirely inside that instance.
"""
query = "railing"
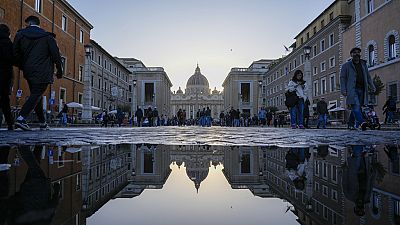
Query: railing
(141, 69)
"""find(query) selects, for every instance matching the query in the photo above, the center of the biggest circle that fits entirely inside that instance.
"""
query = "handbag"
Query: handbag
(291, 99)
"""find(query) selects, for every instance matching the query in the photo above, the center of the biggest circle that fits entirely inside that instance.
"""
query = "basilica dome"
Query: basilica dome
(197, 83)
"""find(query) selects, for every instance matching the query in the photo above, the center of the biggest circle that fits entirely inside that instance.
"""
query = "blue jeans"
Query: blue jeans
(390, 115)
(356, 107)
(322, 118)
(296, 113)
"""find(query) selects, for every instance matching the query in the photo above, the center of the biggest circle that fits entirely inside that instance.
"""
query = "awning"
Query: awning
(337, 109)
(73, 150)
(113, 111)
(74, 105)
(94, 108)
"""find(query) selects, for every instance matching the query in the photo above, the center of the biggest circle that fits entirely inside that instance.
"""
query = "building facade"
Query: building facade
(72, 33)
(197, 96)
(375, 29)
(109, 80)
(151, 86)
(243, 87)
(324, 35)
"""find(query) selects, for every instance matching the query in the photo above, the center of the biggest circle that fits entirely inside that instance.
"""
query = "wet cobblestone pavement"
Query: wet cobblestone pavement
(252, 136)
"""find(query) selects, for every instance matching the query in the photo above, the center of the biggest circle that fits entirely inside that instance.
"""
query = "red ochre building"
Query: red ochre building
(72, 33)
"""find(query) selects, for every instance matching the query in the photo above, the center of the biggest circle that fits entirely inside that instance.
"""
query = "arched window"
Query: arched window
(371, 55)
(392, 47)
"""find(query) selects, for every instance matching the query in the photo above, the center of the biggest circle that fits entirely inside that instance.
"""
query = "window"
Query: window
(323, 66)
(245, 92)
(332, 62)
(331, 40)
(149, 92)
(308, 35)
(81, 36)
(315, 30)
(290, 66)
(323, 86)
(301, 59)
(325, 190)
(322, 45)
(315, 51)
(325, 171)
(316, 166)
(334, 195)
(80, 95)
(80, 73)
(245, 163)
(315, 88)
(295, 63)
(322, 23)
(63, 95)
(64, 23)
(92, 81)
(392, 47)
(38, 6)
(315, 70)
(396, 209)
(60, 157)
(99, 59)
(302, 41)
(332, 83)
(331, 16)
(2, 12)
(371, 55)
(370, 6)
(393, 91)
(334, 174)
(375, 203)
(64, 64)
(316, 187)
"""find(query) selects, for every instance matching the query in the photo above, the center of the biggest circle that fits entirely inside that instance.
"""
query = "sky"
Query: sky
(216, 34)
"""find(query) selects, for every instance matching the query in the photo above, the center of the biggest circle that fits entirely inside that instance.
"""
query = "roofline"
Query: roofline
(323, 12)
(77, 13)
(123, 59)
(93, 42)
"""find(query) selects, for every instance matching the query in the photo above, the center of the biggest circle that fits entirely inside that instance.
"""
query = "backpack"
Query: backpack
(291, 99)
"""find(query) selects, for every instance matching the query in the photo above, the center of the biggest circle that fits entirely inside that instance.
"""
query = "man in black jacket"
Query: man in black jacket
(6, 74)
(322, 110)
(36, 52)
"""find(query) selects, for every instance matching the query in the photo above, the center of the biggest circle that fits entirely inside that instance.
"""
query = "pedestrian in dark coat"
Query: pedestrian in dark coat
(36, 53)
(6, 74)
(139, 116)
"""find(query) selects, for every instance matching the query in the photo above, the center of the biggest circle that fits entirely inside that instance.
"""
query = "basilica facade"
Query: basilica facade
(197, 95)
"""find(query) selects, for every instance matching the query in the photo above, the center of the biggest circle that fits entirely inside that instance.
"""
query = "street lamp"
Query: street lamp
(260, 83)
(87, 88)
(307, 76)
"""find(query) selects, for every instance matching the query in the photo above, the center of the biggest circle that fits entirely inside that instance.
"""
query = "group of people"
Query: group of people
(355, 84)
(36, 53)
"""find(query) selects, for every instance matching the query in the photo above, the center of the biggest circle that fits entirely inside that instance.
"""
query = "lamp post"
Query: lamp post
(134, 102)
(260, 83)
(87, 88)
(307, 76)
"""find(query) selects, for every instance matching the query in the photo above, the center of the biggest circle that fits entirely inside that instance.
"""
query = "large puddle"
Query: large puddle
(199, 184)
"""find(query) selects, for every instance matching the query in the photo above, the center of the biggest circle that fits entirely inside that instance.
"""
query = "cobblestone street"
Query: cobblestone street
(199, 135)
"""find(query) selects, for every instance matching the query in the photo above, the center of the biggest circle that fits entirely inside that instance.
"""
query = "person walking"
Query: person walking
(356, 84)
(139, 116)
(306, 112)
(322, 110)
(6, 74)
(64, 113)
(262, 115)
(36, 52)
(389, 109)
(297, 84)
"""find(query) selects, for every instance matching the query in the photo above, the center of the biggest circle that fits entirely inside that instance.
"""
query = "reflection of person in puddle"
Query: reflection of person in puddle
(34, 203)
(359, 173)
(296, 164)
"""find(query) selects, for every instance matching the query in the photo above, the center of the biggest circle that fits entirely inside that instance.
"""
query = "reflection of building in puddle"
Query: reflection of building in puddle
(43, 184)
(319, 200)
(381, 191)
(105, 173)
(244, 169)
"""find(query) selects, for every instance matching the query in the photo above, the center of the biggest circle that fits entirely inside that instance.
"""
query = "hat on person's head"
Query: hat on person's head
(32, 19)
(355, 49)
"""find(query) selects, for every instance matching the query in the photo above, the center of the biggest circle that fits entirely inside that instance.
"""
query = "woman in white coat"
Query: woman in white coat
(298, 85)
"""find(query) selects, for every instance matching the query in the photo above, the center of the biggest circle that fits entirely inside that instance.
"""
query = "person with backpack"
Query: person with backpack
(322, 110)
(297, 85)
(36, 52)
(389, 108)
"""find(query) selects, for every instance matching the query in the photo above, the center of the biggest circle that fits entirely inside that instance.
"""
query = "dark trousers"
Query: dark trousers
(35, 101)
(5, 106)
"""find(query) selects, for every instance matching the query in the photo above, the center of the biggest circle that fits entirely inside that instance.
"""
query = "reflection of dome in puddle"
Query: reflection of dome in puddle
(197, 175)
